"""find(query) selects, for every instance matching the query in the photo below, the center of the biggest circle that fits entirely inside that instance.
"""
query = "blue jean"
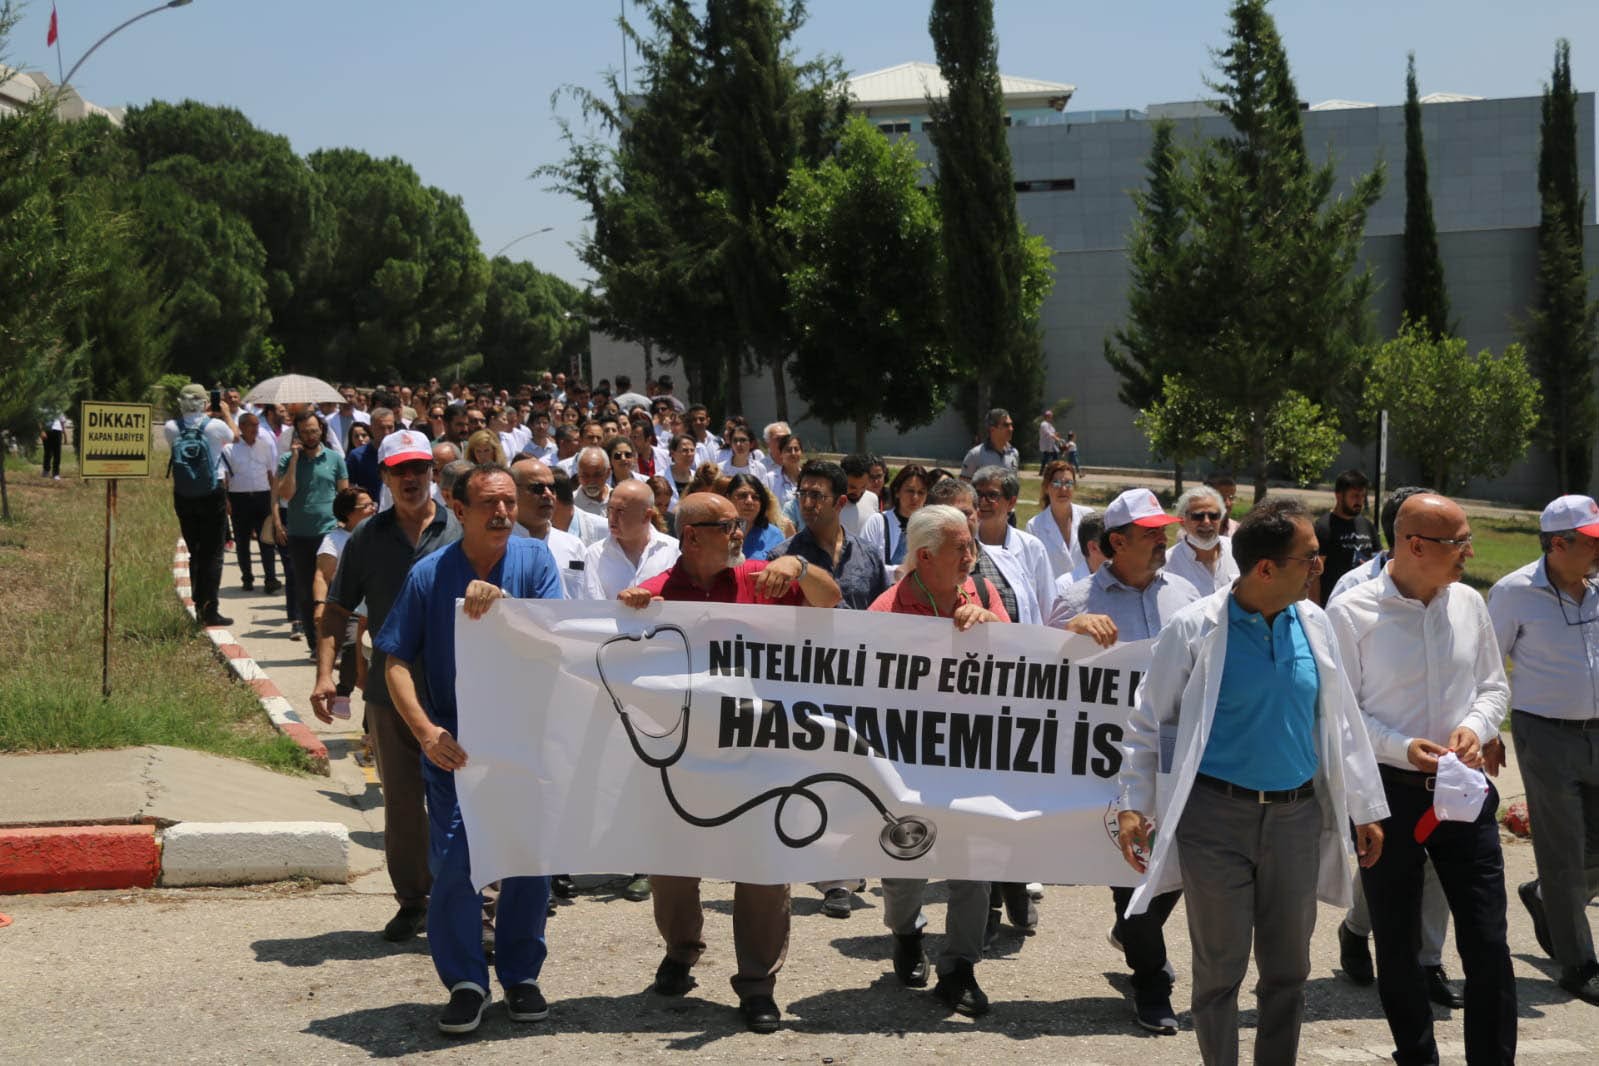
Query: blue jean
(455, 909)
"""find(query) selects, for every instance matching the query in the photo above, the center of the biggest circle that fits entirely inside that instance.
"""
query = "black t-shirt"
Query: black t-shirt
(1346, 543)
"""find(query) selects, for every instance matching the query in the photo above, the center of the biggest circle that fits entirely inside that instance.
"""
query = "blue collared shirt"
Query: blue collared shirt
(420, 628)
(860, 569)
(1139, 614)
(1264, 733)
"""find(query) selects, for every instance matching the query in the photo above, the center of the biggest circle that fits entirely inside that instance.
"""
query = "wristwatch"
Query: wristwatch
(805, 568)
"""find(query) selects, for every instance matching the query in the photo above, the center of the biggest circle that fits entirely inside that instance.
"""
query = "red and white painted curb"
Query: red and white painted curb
(282, 713)
(77, 858)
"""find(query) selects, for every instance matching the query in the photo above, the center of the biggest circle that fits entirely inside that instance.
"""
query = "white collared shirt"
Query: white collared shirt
(1182, 561)
(1065, 557)
(568, 552)
(607, 570)
(250, 464)
(590, 529)
(1555, 664)
(1420, 670)
(1360, 575)
(1025, 564)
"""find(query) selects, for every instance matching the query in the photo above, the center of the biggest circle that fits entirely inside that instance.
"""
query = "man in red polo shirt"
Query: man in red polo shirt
(711, 568)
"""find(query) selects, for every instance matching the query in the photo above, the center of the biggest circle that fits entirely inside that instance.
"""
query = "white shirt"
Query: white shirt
(569, 464)
(1182, 561)
(590, 529)
(781, 487)
(707, 450)
(1025, 564)
(854, 515)
(607, 570)
(1420, 670)
(1138, 613)
(1065, 557)
(1048, 440)
(568, 552)
(1359, 575)
(755, 468)
(333, 543)
(249, 464)
(544, 452)
(583, 502)
(1555, 665)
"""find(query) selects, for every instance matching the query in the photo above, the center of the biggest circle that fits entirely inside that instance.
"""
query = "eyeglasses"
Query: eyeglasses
(1311, 560)
(1457, 543)
(621, 455)
(813, 496)
(538, 488)
(1063, 484)
(1204, 516)
(990, 497)
(726, 525)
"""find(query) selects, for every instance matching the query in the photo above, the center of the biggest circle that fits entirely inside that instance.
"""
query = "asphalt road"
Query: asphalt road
(292, 974)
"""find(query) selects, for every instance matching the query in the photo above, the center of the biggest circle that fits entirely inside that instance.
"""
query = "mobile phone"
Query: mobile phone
(216, 399)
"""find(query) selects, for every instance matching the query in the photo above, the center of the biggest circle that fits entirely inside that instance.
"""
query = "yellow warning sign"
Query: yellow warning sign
(114, 439)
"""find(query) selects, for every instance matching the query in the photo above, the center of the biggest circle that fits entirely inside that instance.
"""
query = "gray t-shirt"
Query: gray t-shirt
(374, 567)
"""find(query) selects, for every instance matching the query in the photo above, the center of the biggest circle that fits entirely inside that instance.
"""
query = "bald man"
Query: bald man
(535, 509)
(1420, 653)
(635, 551)
(712, 569)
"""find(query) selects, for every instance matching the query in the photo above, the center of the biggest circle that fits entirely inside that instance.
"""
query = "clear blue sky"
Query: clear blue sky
(461, 88)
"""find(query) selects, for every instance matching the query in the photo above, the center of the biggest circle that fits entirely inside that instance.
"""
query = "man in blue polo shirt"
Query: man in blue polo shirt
(419, 639)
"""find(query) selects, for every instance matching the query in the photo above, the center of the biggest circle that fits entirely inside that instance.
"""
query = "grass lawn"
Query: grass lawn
(167, 686)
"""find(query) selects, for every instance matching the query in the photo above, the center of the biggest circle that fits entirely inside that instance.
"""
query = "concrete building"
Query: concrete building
(20, 87)
(1073, 175)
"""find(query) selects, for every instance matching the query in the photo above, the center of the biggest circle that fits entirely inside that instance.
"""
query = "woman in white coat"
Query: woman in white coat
(1055, 525)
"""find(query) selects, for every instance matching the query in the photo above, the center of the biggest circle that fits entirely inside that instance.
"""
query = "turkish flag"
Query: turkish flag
(50, 38)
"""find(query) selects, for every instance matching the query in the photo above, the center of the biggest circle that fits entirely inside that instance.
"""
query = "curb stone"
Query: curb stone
(285, 719)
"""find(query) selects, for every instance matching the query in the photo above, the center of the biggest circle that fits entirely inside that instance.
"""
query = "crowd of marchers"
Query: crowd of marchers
(1311, 678)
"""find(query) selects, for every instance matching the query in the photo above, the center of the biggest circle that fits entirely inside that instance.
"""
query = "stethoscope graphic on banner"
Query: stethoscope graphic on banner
(904, 837)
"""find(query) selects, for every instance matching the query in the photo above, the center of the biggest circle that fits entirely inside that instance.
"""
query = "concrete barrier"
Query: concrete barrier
(72, 858)
(238, 853)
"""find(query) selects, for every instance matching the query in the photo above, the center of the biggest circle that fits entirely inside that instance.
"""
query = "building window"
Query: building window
(1047, 185)
(895, 127)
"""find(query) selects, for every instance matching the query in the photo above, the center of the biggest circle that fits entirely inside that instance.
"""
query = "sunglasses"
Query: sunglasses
(1204, 516)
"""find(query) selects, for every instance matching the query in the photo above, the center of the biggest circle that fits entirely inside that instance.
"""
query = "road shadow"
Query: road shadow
(344, 945)
(685, 1024)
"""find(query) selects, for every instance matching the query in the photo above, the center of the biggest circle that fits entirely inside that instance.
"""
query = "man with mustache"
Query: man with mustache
(712, 569)
(419, 639)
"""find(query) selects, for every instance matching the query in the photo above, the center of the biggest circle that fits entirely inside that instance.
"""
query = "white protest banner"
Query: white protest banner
(776, 744)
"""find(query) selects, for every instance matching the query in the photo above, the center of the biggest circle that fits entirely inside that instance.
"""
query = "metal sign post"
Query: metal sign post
(1382, 456)
(113, 442)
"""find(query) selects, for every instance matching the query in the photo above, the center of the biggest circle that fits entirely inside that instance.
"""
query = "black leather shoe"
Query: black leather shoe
(1354, 955)
(272, 585)
(562, 886)
(212, 617)
(910, 961)
(959, 992)
(1584, 983)
(1530, 899)
(464, 1011)
(672, 977)
(760, 1013)
(1438, 989)
(406, 923)
(1154, 1014)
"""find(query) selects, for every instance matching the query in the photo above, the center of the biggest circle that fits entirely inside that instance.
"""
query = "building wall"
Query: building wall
(1482, 159)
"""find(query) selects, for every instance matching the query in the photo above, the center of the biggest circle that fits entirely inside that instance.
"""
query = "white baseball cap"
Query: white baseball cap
(1458, 795)
(1137, 507)
(1571, 512)
(404, 446)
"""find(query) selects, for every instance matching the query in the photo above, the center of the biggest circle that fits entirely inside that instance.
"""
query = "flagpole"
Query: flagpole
(55, 31)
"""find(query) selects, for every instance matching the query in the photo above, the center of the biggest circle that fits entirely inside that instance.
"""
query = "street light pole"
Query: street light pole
(153, 11)
(519, 240)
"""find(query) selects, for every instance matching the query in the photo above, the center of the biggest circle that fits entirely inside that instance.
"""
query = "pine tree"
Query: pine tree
(1563, 329)
(1425, 298)
(985, 252)
(1275, 300)
(769, 114)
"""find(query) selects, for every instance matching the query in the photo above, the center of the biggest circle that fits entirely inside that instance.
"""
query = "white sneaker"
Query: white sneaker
(1035, 891)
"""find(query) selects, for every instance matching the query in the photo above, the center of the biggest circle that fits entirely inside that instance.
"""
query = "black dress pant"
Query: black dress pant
(52, 452)
(201, 520)
(1143, 940)
(250, 511)
(302, 568)
(1471, 870)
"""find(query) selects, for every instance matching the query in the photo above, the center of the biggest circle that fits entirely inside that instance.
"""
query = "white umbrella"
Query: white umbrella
(293, 388)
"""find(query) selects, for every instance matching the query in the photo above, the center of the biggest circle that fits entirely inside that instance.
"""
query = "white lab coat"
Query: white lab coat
(1179, 694)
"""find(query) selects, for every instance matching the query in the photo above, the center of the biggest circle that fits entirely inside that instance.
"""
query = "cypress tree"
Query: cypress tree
(1425, 299)
(1563, 327)
(984, 248)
